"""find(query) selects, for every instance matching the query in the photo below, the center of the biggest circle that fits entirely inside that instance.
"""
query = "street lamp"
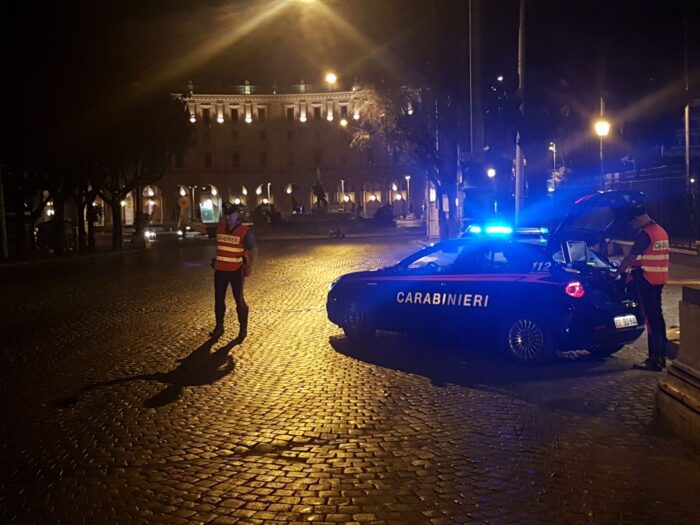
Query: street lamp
(408, 188)
(553, 149)
(331, 79)
(602, 129)
(342, 188)
(491, 173)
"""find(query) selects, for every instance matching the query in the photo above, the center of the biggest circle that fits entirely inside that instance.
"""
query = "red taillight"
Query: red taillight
(575, 289)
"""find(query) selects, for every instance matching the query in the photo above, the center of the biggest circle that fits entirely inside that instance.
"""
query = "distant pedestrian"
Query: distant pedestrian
(648, 260)
(235, 254)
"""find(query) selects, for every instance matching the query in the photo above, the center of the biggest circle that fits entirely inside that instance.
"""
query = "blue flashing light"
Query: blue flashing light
(544, 231)
(474, 229)
(499, 229)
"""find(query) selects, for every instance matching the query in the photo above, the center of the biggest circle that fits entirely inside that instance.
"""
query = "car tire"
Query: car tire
(358, 323)
(529, 340)
(605, 350)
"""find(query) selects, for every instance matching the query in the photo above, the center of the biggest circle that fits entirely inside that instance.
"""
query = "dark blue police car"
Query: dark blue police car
(535, 298)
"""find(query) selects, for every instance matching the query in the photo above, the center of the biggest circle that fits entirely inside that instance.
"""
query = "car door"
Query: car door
(418, 292)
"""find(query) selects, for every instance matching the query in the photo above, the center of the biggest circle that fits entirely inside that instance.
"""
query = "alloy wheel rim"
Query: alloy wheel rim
(525, 339)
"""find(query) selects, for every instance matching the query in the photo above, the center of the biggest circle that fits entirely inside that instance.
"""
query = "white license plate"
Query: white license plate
(625, 321)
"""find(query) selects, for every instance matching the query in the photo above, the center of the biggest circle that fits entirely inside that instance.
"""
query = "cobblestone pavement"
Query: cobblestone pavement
(117, 410)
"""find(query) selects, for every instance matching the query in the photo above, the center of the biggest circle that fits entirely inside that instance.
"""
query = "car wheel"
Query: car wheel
(529, 341)
(605, 350)
(358, 323)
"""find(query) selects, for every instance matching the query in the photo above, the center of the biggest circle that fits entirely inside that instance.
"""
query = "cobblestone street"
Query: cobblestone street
(118, 410)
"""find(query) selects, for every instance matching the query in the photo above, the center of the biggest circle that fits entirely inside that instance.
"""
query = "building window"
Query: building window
(236, 159)
(344, 111)
(290, 134)
(234, 114)
(178, 161)
(318, 158)
(263, 159)
(206, 116)
(290, 114)
(263, 135)
(317, 112)
(207, 160)
(262, 114)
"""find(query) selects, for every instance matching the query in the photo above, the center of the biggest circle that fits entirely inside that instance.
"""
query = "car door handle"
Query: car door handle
(371, 283)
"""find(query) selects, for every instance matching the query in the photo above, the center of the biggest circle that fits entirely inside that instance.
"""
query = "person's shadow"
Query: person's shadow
(201, 367)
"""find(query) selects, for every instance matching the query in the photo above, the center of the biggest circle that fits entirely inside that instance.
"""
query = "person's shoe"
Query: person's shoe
(217, 332)
(650, 365)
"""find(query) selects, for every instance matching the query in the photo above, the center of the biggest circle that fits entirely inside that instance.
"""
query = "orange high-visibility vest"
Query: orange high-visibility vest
(654, 259)
(230, 247)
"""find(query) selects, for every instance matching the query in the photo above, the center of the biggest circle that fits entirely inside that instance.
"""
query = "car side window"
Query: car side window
(508, 259)
(440, 260)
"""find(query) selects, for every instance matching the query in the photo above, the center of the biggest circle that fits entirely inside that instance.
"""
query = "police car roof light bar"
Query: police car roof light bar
(499, 229)
(474, 229)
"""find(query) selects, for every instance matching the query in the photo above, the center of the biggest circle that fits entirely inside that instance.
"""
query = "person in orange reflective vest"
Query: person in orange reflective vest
(648, 260)
(235, 253)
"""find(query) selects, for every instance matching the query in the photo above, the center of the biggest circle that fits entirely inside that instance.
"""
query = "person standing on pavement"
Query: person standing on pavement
(648, 260)
(235, 254)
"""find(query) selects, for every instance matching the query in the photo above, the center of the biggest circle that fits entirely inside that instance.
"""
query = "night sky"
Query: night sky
(576, 51)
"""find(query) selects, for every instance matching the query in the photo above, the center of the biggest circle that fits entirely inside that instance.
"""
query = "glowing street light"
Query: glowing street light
(491, 173)
(408, 187)
(602, 128)
(331, 79)
(344, 122)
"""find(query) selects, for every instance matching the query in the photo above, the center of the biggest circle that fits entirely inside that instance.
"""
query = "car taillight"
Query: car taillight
(575, 289)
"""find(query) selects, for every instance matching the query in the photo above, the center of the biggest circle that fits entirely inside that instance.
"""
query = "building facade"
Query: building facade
(273, 149)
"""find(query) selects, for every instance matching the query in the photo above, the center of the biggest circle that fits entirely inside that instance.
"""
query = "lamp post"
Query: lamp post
(408, 192)
(268, 192)
(553, 149)
(602, 129)
(342, 192)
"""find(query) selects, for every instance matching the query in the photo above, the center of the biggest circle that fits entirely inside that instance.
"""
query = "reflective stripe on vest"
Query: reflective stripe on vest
(230, 246)
(654, 260)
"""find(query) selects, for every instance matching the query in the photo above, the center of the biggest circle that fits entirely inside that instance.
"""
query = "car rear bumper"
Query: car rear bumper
(597, 328)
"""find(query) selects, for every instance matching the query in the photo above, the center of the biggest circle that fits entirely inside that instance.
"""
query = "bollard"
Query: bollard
(678, 394)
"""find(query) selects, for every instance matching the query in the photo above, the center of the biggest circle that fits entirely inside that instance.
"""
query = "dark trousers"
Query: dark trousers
(221, 282)
(649, 297)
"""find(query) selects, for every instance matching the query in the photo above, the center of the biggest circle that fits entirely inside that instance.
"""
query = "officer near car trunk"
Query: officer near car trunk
(235, 253)
(648, 260)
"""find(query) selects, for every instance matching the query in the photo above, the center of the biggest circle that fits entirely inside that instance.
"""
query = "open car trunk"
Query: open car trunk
(580, 242)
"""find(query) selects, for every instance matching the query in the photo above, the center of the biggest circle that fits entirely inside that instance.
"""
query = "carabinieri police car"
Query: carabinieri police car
(535, 298)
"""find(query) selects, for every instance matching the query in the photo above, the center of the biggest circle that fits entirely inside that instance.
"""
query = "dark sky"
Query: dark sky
(581, 49)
